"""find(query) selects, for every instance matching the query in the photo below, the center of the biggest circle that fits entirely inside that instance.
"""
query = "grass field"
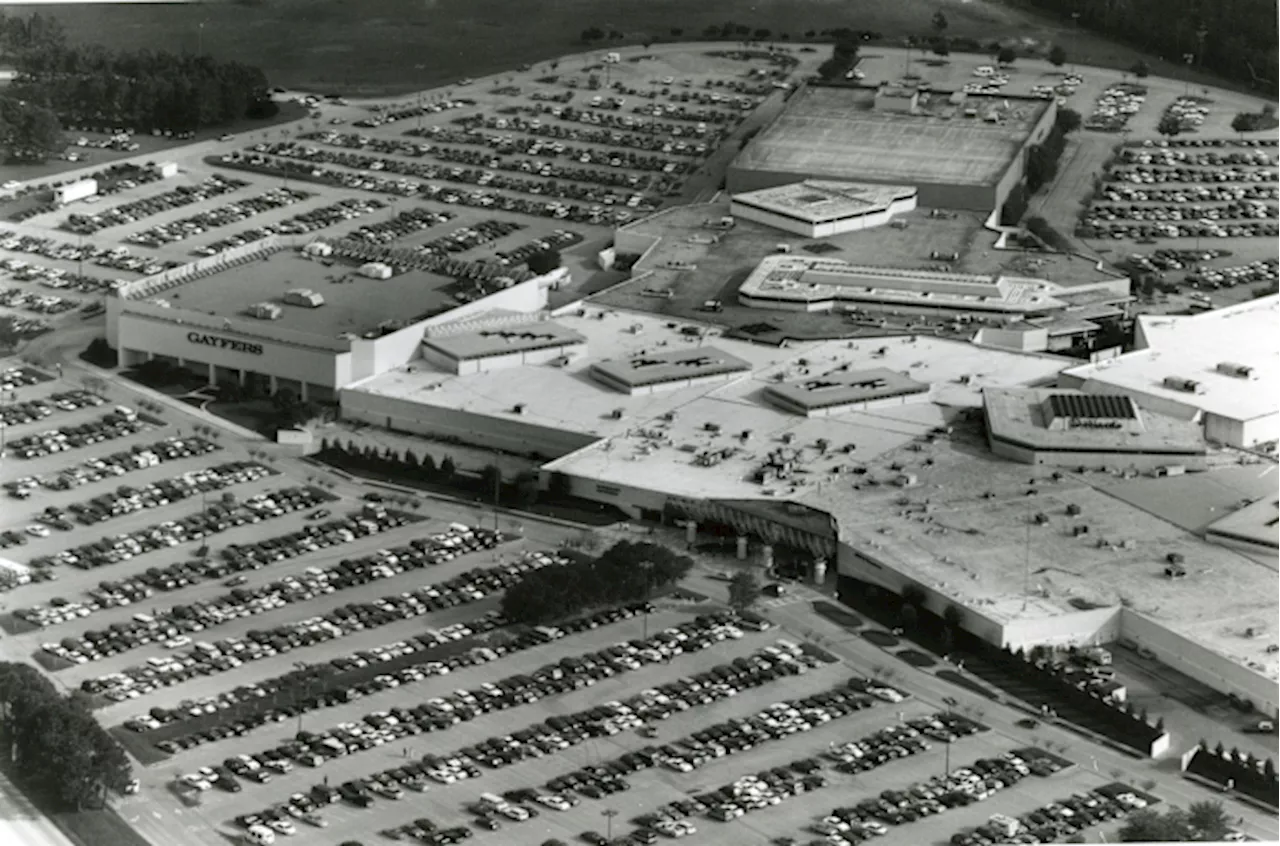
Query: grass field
(386, 46)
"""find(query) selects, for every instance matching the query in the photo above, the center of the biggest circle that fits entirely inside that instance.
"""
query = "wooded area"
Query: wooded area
(53, 745)
(1234, 38)
(93, 88)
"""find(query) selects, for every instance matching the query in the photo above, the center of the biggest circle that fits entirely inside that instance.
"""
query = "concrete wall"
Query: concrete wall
(821, 230)
(929, 194)
(1199, 662)
(529, 296)
(625, 497)
(1079, 628)
(1242, 433)
(395, 349)
(861, 564)
(1024, 340)
(161, 335)
(1094, 460)
(507, 432)
(1101, 625)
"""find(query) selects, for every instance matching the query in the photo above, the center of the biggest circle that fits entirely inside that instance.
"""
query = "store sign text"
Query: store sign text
(224, 343)
(1078, 423)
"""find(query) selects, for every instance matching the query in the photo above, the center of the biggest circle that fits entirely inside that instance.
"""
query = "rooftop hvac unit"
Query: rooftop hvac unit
(375, 270)
(1238, 371)
(303, 297)
(1177, 383)
(265, 311)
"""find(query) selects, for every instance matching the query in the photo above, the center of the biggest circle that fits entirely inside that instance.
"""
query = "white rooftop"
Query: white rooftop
(1191, 347)
(813, 279)
(822, 200)
(639, 447)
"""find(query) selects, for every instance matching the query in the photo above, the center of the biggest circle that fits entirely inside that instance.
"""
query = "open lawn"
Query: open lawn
(381, 46)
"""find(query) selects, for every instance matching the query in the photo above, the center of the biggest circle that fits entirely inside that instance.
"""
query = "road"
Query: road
(21, 824)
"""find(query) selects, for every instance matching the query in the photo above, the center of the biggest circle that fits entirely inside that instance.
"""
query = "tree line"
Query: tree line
(53, 745)
(488, 483)
(147, 90)
(626, 572)
(93, 88)
(1233, 38)
(1202, 822)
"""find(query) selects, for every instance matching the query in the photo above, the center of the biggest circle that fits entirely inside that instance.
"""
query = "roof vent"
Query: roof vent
(1237, 371)
(1177, 383)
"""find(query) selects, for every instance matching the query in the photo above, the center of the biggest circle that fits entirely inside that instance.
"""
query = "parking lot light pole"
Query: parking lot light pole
(647, 567)
(302, 665)
(608, 814)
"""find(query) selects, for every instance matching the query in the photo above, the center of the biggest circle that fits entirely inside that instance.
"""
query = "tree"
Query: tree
(29, 132)
(624, 573)
(428, 466)
(1169, 126)
(1007, 56)
(490, 478)
(1269, 769)
(411, 459)
(592, 33)
(526, 485)
(1242, 123)
(448, 469)
(543, 262)
(1068, 120)
(761, 34)
(744, 590)
(941, 49)
(831, 70)
(1148, 825)
(1208, 819)
(1057, 56)
(939, 22)
(953, 617)
(59, 749)
(1140, 69)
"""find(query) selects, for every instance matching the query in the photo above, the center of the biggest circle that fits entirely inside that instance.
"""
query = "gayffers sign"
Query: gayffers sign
(224, 343)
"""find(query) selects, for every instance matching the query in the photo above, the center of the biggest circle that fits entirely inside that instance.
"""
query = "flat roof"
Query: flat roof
(642, 447)
(652, 367)
(836, 132)
(822, 201)
(1019, 415)
(484, 343)
(1258, 522)
(812, 278)
(1191, 347)
(352, 303)
(842, 386)
(975, 542)
(1195, 501)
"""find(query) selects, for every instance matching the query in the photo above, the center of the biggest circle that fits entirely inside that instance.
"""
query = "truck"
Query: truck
(81, 189)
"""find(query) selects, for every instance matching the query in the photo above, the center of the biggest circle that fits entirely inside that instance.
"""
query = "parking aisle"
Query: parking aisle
(1170, 787)
(210, 589)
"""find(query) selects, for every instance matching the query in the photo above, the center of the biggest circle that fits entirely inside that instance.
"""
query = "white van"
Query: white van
(259, 835)
(126, 412)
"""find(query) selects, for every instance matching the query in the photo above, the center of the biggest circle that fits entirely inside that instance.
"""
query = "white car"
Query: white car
(284, 826)
(177, 642)
(36, 530)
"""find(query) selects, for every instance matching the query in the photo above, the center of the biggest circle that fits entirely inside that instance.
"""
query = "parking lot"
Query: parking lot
(384, 614)
(558, 156)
